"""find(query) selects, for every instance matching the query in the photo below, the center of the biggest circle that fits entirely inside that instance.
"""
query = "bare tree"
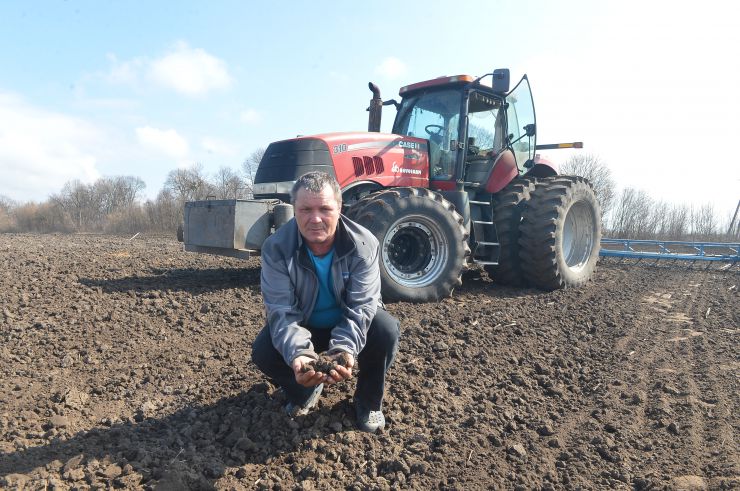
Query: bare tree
(120, 192)
(6, 203)
(189, 184)
(6, 207)
(678, 222)
(599, 175)
(632, 216)
(76, 199)
(229, 185)
(249, 168)
(703, 222)
(164, 214)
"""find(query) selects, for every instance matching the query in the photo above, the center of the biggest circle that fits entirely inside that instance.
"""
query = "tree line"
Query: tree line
(114, 205)
(634, 214)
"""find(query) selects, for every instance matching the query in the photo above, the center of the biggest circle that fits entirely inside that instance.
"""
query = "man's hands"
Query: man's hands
(341, 372)
(312, 378)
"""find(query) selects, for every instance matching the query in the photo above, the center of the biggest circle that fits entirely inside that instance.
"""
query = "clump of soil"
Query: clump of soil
(327, 363)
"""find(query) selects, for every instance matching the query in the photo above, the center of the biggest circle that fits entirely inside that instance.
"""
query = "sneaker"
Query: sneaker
(294, 409)
(367, 420)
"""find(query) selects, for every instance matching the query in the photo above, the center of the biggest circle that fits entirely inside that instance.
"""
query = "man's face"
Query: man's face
(317, 215)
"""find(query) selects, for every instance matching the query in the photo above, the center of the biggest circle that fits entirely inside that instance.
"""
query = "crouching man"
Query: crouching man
(321, 289)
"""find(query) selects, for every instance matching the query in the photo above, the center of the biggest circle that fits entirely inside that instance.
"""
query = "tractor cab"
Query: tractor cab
(470, 127)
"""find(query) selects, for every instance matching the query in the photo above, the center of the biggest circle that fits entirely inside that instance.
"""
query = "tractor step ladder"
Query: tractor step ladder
(485, 252)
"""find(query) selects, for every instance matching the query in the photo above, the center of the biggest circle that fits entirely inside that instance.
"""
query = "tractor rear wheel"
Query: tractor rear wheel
(560, 233)
(508, 205)
(423, 243)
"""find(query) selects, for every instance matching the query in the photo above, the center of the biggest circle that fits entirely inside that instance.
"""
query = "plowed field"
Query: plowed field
(125, 364)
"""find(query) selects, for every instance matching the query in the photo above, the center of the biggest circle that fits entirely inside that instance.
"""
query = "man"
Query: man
(321, 289)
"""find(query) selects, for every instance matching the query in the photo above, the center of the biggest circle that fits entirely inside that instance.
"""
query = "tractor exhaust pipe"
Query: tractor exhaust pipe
(375, 109)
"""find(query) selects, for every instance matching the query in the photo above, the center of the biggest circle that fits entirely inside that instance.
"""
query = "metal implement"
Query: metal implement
(663, 249)
(230, 227)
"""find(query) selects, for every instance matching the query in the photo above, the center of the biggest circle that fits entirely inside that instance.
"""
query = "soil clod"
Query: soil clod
(326, 363)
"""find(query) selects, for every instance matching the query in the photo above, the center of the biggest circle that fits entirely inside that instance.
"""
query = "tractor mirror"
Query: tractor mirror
(530, 129)
(501, 80)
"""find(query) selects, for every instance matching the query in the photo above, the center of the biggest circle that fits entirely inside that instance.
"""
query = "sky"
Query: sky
(102, 88)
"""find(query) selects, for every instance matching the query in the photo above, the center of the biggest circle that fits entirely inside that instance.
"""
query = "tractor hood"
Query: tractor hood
(381, 158)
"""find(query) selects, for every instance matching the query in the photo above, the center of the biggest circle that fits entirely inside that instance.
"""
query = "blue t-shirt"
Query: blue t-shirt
(326, 313)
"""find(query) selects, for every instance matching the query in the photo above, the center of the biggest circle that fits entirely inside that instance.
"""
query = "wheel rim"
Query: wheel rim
(415, 251)
(579, 230)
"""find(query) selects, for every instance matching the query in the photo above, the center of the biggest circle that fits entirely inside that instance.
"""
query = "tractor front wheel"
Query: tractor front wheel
(560, 233)
(423, 243)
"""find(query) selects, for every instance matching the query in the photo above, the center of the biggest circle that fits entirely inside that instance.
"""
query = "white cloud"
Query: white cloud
(218, 146)
(168, 142)
(391, 68)
(125, 72)
(40, 150)
(250, 116)
(190, 71)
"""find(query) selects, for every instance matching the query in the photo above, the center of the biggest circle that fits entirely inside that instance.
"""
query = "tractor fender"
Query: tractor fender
(366, 183)
(359, 189)
(543, 168)
(504, 170)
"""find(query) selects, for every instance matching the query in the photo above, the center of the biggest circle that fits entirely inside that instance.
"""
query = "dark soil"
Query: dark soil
(126, 364)
(326, 363)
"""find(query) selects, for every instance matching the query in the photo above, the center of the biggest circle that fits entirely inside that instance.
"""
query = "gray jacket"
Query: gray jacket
(290, 288)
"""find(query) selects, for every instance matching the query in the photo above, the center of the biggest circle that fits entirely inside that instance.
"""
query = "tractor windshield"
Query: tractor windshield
(434, 115)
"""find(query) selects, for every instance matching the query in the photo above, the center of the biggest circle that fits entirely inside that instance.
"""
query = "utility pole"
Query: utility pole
(731, 232)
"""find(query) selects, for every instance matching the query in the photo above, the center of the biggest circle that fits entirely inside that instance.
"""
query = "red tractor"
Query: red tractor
(456, 183)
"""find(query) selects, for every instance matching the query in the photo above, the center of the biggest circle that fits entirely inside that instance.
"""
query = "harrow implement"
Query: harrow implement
(671, 250)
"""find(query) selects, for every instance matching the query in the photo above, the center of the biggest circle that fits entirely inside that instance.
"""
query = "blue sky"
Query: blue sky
(100, 88)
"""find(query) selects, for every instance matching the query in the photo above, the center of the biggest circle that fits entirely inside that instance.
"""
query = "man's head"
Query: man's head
(317, 202)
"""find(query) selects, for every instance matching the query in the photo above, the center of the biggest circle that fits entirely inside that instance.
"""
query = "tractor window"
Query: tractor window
(485, 125)
(434, 115)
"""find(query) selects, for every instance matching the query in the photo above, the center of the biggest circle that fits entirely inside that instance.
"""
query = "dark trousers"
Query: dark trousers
(374, 360)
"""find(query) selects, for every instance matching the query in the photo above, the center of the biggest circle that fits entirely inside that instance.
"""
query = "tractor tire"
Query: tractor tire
(423, 243)
(508, 205)
(560, 233)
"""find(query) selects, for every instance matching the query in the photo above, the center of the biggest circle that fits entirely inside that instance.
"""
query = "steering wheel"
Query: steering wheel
(437, 127)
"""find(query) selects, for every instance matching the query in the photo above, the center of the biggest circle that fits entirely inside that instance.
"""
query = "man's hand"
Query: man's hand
(342, 371)
(309, 379)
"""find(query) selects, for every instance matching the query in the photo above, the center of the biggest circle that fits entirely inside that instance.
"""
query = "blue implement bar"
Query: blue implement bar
(666, 249)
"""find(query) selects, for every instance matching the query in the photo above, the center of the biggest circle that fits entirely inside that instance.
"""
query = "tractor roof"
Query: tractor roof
(435, 82)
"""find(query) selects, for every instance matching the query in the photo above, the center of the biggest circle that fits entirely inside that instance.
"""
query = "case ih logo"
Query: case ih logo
(409, 145)
(396, 169)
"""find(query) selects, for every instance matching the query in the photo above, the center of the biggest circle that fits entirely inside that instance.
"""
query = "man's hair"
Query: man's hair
(315, 182)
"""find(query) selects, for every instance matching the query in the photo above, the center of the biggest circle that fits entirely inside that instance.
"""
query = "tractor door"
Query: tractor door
(521, 123)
